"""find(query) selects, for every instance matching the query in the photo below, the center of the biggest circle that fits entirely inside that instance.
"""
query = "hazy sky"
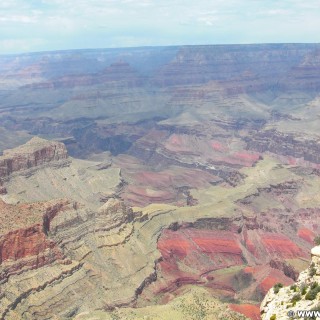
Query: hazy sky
(37, 25)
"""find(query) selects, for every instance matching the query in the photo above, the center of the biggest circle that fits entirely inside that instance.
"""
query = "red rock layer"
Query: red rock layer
(249, 310)
(167, 186)
(280, 245)
(24, 243)
(203, 256)
(190, 254)
(262, 245)
(306, 234)
(269, 281)
(189, 241)
(215, 151)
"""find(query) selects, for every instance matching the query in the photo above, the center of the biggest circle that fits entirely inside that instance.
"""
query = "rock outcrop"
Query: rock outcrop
(41, 170)
(287, 144)
(22, 243)
(61, 248)
(34, 153)
(303, 296)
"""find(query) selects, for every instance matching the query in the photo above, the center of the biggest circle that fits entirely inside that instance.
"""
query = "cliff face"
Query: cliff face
(303, 295)
(243, 64)
(287, 144)
(119, 74)
(34, 153)
(23, 243)
(59, 249)
(24, 250)
(41, 170)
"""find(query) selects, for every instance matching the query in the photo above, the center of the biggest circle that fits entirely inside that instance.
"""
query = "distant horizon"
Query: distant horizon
(157, 46)
(28, 26)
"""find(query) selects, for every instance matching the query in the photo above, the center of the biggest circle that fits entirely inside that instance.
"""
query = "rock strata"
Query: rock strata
(34, 153)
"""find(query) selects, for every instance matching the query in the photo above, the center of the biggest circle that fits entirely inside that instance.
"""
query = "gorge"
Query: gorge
(162, 182)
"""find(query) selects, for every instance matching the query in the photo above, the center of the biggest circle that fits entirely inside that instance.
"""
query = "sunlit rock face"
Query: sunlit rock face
(301, 296)
(35, 152)
(158, 171)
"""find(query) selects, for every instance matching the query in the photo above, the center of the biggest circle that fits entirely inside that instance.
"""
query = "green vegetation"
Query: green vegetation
(296, 298)
(303, 289)
(198, 310)
(114, 316)
(195, 304)
(277, 287)
(313, 292)
(242, 280)
(294, 288)
(273, 317)
(312, 270)
(317, 241)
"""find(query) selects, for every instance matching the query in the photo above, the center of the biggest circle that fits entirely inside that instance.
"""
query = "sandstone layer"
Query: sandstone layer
(34, 153)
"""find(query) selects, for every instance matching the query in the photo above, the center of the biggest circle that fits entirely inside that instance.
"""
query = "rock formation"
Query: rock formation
(34, 153)
(303, 296)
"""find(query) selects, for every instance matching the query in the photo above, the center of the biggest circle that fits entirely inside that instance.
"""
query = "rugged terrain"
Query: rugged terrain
(146, 177)
(302, 296)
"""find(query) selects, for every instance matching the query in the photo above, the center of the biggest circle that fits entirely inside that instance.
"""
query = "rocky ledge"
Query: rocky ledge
(34, 153)
(285, 302)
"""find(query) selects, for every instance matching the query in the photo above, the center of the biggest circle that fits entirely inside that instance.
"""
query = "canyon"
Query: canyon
(140, 182)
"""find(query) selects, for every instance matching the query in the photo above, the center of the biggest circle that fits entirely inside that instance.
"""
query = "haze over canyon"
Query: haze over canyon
(157, 182)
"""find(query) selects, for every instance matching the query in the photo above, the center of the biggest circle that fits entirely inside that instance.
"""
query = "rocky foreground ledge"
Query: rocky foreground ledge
(304, 295)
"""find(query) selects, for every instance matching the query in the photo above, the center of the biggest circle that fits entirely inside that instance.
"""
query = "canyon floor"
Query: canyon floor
(156, 183)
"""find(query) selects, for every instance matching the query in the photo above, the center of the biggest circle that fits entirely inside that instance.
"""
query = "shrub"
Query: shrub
(296, 298)
(294, 288)
(313, 292)
(303, 288)
(311, 295)
(314, 285)
(317, 240)
(312, 270)
(277, 287)
(273, 317)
